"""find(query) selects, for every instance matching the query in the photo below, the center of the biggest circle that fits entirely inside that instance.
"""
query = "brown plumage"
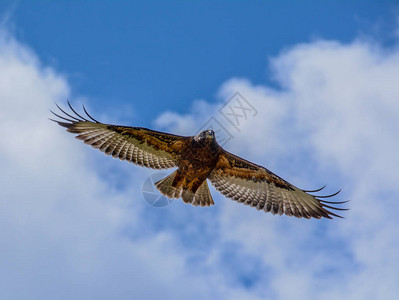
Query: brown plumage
(198, 158)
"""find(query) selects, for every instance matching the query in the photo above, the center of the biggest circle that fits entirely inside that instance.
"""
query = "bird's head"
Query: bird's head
(206, 135)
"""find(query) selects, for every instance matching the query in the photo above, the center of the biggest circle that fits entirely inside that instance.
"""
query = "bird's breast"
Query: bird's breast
(197, 162)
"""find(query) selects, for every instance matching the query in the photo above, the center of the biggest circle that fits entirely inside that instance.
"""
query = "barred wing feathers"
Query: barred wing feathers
(254, 185)
(141, 146)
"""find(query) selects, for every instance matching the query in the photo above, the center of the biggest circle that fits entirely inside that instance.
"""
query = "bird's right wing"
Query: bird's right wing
(254, 185)
(141, 146)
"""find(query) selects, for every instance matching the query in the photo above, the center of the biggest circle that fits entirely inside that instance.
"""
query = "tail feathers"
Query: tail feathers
(202, 197)
(188, 197)
(165, 187)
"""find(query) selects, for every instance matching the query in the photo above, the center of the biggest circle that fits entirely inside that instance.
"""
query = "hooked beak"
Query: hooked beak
(210, 134)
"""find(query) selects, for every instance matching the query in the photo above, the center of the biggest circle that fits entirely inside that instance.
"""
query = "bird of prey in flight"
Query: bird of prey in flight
(198, 158)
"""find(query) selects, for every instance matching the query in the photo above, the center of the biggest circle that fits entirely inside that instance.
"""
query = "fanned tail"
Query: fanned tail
(202, 197)
(167, 189)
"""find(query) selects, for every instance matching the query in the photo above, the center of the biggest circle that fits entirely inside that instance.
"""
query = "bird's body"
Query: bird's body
(198, 159)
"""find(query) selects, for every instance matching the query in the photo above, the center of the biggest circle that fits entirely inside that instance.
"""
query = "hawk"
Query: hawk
(198, 159)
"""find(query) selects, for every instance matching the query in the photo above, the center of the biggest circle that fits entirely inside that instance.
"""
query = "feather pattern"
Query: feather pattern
(140, 146)
(258, 187)
(198, 158)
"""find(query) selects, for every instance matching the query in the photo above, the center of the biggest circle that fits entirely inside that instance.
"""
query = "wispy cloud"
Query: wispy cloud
(64, 231)
(333, 119)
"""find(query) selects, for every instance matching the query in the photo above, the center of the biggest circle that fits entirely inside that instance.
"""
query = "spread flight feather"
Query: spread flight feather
(198, 159)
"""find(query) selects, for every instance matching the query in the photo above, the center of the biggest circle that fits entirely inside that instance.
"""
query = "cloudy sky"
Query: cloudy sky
(322, 83)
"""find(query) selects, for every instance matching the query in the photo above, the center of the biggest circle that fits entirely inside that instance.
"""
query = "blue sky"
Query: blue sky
(161, 55)
(323, 79)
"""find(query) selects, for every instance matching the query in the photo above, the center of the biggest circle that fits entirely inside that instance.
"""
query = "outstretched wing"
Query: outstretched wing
(138, 145)
(256, 186)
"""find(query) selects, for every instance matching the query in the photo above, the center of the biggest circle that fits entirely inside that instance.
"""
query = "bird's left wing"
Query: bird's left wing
(254, 185)
(141, 146)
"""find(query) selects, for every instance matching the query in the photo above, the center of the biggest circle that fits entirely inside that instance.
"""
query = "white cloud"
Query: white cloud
(351, 111)
(64, 227)
(334, 119)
